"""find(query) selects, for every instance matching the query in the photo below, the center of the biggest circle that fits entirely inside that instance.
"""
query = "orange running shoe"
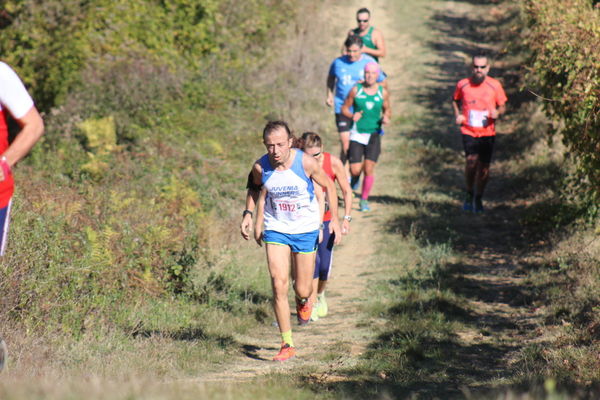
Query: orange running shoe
(303, 311)
(285, 353)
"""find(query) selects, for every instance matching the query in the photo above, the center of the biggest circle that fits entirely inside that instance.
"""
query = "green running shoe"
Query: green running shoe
(322, 306)
(314, 315)
(364, 205)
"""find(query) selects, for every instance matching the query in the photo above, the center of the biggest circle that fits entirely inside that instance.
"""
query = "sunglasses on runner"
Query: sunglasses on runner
(362, 20)
(479, 66)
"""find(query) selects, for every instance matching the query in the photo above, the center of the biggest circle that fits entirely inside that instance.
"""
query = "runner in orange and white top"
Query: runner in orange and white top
(478, 101)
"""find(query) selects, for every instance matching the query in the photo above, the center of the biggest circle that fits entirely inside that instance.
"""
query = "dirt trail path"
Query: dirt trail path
(319, 343)
(423, 67)
(492, 247)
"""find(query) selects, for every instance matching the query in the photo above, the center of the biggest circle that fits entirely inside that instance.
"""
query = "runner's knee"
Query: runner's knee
(303, 290)
(345, 139)
(369, 167)
(484, 170)
(472, 160)
(280, 285)
(355, 169)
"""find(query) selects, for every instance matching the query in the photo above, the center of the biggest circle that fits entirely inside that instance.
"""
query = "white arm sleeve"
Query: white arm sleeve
(13, 95)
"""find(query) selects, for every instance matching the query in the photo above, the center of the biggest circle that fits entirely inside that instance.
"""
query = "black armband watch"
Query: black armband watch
(246, 212)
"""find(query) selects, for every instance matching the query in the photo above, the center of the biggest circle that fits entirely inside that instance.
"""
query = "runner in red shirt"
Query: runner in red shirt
(14, 102)
(312, 145)
(478, 101)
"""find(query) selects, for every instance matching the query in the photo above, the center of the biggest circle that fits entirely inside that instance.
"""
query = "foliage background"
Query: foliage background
(564, 39)
(150, 107)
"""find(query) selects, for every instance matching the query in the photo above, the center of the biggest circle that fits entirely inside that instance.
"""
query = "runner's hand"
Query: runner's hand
(494, 114)
(460, 119)
(345, 227)
(356, 116)
(258, 235)
(246, 226)
(385, 120)
(334, 228)
(329, 100)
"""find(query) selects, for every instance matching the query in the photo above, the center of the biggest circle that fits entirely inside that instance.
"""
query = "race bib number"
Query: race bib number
(287, 207)
(478, 118)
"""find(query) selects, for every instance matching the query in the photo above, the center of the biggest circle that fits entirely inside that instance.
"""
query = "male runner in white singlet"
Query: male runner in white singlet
(289, 209)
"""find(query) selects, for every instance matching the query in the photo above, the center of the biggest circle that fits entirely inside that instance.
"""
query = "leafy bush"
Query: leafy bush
(50, 42)
(564, 38)
(149, 108)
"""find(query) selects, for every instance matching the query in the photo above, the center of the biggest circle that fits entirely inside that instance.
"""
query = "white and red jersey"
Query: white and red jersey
(14, 100)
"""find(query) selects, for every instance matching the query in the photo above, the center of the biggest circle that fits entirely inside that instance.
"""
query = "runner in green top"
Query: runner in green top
(370, 102)
(370, 106)
(366, 38)
(373, 43)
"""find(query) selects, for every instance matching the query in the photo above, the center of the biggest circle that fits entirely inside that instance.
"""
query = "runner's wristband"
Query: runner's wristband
(246, 212)
(5, 167)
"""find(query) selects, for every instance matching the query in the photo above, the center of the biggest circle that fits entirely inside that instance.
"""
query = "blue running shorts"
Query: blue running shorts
(298, 242)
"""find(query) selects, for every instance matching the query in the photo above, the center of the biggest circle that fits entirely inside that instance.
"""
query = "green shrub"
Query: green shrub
(564, 38)
(149, 108)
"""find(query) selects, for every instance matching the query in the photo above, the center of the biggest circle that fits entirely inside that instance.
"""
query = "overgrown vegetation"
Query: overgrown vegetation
(150, 107)
(564, 39)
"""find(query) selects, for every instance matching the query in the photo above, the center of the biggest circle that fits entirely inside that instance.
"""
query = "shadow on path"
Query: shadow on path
(483, 294)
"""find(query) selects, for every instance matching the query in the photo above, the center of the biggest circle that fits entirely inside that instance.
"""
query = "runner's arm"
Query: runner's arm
(384, 83)
(342, 180)
(387, 108)
(380, 50)
(348, 103)
(459, 118)
(321, 199)
(260, 216)
(317, 173)
(254, 183)
(496, 113)
(330, 85)
(32, 128)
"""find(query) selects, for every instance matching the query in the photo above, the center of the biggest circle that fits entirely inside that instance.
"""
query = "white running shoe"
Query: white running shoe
(322, 306)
